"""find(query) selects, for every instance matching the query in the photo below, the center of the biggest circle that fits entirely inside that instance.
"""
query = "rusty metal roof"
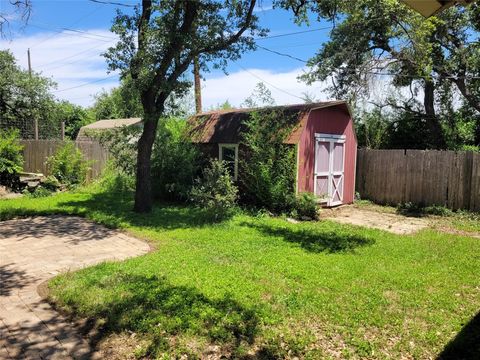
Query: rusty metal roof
(431, 7)
(226, 126)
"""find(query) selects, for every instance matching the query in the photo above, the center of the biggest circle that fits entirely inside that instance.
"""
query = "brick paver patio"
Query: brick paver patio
(33, 250)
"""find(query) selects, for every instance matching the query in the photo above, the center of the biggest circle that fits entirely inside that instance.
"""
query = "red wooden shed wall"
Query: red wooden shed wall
(333, 120)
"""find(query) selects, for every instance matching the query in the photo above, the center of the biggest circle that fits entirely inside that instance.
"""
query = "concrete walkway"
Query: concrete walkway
(33, 250)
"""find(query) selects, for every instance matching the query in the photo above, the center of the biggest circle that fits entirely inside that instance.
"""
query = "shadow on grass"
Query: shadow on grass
(161, 311)
(466, 345)
(111, 208)
(314, 240)
(114, 209)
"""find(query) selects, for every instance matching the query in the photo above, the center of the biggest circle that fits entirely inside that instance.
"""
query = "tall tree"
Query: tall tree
(157, 45)
(372, 37)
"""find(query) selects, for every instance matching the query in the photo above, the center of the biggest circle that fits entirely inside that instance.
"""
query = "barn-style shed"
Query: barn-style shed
(323, 135)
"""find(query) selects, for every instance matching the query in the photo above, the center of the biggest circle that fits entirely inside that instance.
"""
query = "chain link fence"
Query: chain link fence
(30, 129)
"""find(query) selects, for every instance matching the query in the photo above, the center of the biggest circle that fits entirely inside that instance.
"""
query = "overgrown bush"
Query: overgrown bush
(215, 191)
(304, 205)
(175, 161)
(68, 165)
(267, 165)
(122, 146)
(11, 158)
(39, 192)
(174, 158)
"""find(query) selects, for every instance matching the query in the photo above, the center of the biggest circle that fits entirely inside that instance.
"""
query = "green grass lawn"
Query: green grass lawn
(260, 287)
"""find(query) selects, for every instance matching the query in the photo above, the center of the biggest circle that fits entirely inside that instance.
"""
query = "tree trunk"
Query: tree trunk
(434, 126)
(472, 99)
(143, 190)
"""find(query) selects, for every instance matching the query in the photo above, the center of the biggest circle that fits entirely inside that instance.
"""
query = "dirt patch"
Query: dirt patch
(450, 230)
(370, 217)
(5, 193)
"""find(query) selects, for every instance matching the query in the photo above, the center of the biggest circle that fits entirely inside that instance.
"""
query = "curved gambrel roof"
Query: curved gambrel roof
(226, 126)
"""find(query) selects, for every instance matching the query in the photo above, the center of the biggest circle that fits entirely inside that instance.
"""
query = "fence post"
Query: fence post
(36, 129)
(63, 131)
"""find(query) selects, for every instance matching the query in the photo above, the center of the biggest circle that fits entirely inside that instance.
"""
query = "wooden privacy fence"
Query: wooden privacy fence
(36, 152)
(429, 177)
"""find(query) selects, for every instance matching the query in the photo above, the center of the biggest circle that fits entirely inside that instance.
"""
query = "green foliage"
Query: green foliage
(372, 129)
(432, 65)
(261, 96)
(74, 117)
(304, 205)
(39, 192)
(267, 165)
(223, 106)
(119, 103)
(414, 209)
(175, 161)
(473, 148)
(24, 98)
(215, 191)
(122, 145)
(68, 165)
(11, 157)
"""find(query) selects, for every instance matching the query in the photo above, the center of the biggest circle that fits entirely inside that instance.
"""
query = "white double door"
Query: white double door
(329, 175)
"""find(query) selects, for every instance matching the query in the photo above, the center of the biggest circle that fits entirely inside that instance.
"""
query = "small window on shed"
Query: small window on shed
(229, 154)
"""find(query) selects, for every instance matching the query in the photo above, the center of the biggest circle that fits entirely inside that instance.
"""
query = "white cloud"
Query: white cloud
(73, 60)
(70, 59)
(237, 86)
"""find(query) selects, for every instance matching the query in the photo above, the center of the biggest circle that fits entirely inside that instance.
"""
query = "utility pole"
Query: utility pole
(198, 86)
(29, 63)
(30, 73)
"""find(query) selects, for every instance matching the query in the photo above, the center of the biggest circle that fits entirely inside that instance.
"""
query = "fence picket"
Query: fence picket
(445, 178)
(36, 152)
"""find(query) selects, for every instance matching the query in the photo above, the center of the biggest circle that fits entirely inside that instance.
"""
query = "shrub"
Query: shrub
(68, 165)
(174, 158)
(122, 146)
(39, 192)
(267, 165)
(175, 161)
(304, 205)
(215, 191)
(437, 210)
(415, 209)
(11, 158)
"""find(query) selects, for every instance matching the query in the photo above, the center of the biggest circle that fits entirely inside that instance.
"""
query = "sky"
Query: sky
(67, 37)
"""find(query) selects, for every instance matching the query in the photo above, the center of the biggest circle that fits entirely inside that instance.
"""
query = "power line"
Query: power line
(85, 84)
(269, 83)
(112, 3)
(88, 33)
(72, 24)
(65, 33)
(294, 33)
(352, 70)
(68, 57)
(281, 54)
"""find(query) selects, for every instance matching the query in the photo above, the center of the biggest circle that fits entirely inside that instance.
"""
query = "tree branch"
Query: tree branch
(233, 38)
